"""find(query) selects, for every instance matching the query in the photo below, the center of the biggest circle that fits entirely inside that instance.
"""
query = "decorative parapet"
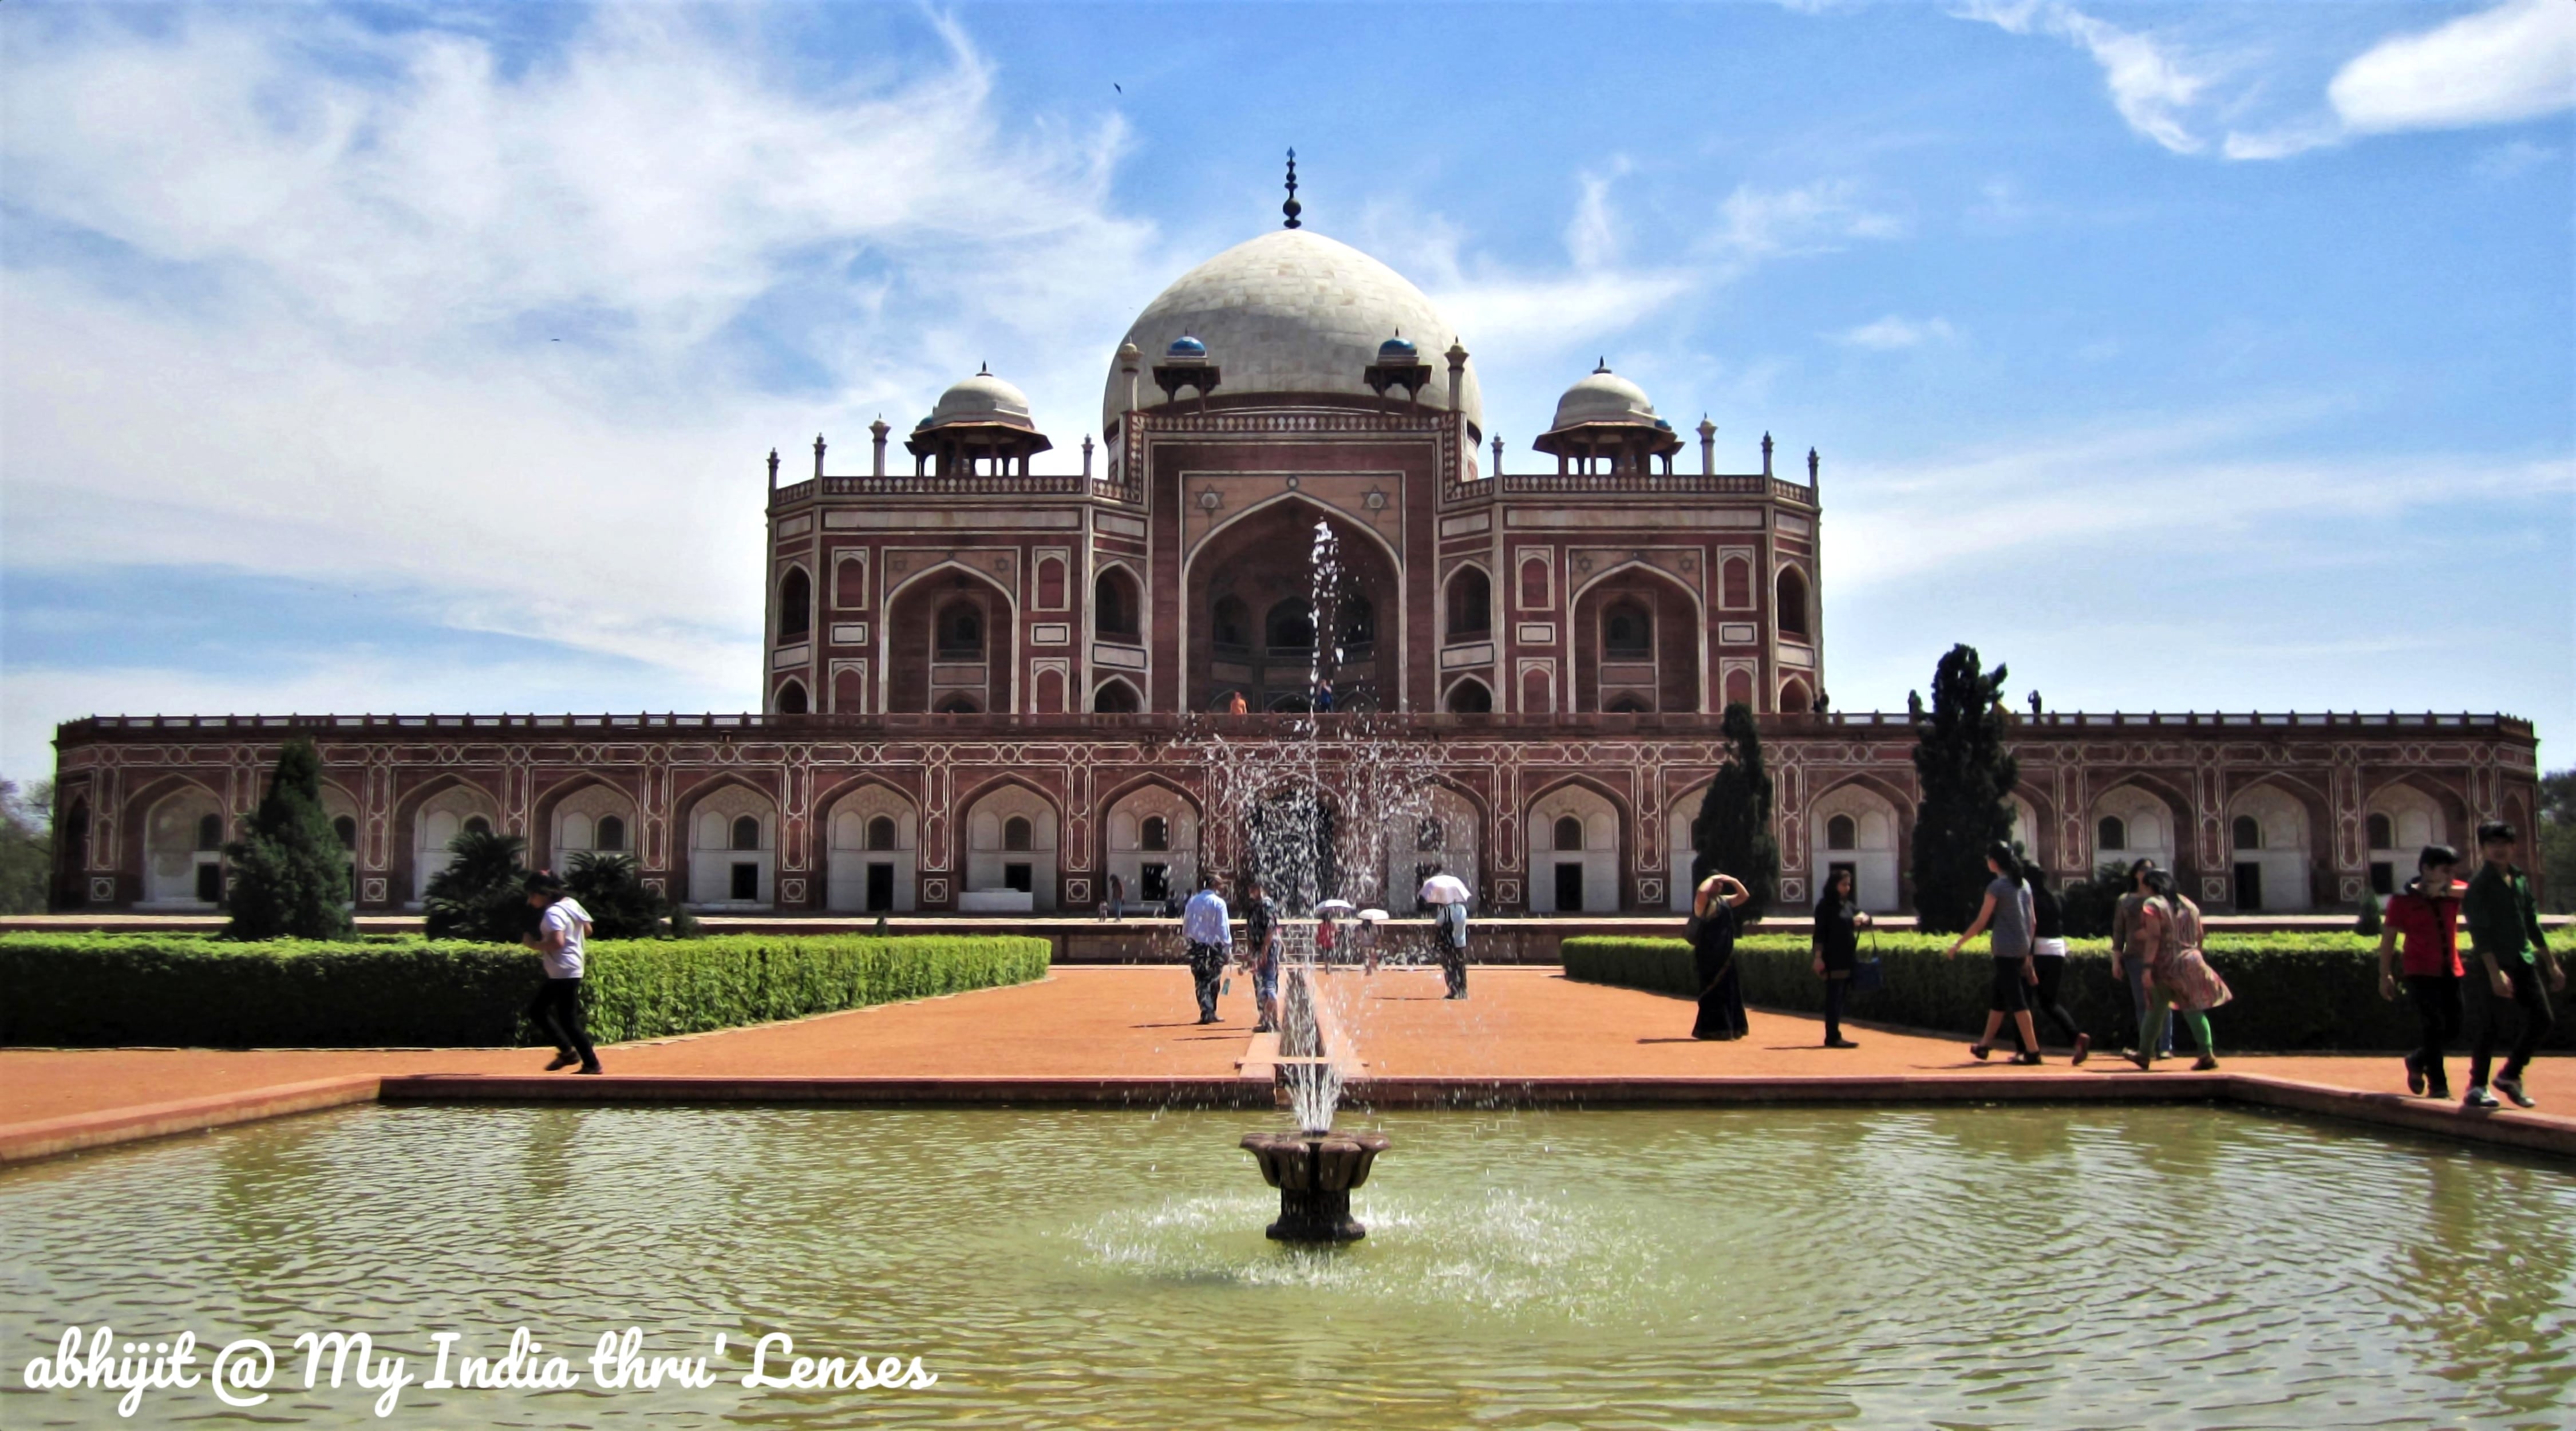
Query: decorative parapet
(1011, 485)
(2054, 723)
(1635, 484)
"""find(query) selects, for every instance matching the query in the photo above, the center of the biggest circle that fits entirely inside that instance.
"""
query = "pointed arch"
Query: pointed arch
(917, 677)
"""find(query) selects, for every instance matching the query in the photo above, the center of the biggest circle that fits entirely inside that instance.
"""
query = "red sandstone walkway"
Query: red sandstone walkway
(1131, 1023)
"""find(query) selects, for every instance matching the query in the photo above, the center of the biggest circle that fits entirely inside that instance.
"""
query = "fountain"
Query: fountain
(1313, 813)
(1314, 1168)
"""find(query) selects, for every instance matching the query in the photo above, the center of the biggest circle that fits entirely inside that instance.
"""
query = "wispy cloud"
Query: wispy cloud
(1756, 224)
(2514, 62)
(2150, 83)
(2120, 488)
(1894, 332)
(399, 311)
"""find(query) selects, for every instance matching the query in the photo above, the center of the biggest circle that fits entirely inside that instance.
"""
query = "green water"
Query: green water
(1957, 1267)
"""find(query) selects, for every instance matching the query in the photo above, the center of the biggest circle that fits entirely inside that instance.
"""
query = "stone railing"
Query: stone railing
(907, 485)
(1163, 725)
(1634, 484)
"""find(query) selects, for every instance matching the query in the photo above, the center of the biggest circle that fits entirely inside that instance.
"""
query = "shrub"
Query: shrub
(619, 904)
(2090, 904)
(482, 894)
(290, 873)
(105, 990)
(2294, 992)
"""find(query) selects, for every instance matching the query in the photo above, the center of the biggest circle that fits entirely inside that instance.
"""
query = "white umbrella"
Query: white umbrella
(1335, 906)
(1445, 889)
(1374, 916)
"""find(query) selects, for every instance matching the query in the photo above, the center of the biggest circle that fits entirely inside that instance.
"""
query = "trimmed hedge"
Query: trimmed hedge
(107, 990)
(2294, 992)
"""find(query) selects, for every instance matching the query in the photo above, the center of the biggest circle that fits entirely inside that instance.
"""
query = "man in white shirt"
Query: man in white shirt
(1211, 939)
(563, 928)
(1448, 897)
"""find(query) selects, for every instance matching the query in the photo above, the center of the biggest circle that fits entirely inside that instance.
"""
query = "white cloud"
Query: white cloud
(317, 335)
(2120, 488)
(2514, 62)
(2512, 157)
(1757, 224)
(1893, 332)
(2150, 85)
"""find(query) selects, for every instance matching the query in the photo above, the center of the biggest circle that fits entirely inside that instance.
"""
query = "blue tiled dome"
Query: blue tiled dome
(1398, 350)
(1187, 349)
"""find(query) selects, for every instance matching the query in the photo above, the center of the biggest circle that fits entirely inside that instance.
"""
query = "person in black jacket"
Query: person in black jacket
(1837, 946)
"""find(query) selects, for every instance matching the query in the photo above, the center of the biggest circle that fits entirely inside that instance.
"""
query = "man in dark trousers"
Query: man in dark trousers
(2425, 916)
(1261, 937)
(2513, 959)
(1204, 926)
(563, 927)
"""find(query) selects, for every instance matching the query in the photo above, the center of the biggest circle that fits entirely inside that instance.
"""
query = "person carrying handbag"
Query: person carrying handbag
(1836, 943)
(2179, 979)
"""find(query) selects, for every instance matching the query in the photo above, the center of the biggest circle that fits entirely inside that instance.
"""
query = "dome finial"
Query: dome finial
(1292, 208)
(983, 370)
(1601, 365)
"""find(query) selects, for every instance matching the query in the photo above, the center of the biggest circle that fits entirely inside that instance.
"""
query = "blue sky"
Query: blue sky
(423, 356)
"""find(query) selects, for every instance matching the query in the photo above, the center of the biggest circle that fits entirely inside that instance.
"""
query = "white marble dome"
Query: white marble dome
(1292, 312)
(981, 398)
(1603, 396)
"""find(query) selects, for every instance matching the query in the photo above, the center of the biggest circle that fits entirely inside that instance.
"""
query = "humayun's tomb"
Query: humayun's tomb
(991, 687)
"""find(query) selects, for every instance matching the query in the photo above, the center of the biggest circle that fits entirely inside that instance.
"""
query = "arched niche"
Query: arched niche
(1469, 607)
(2400, 820)
(1010, 852)
(183, 869)
(872, 843)
(1856, 826)
(1581, 880)
(437, 821)
(1261, 565)
(1443, 832)
(1636, 644)
(2129, 823)
(950, 647)
(732, 842)
(594, 819)
(2269, 851)
(1152, 844)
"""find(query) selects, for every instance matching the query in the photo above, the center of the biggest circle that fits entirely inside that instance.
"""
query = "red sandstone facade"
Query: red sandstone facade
(993, 689)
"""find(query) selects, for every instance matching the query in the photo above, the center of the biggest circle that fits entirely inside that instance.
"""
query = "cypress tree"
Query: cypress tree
(1732, 832)
(290, 874)
(1966, 779)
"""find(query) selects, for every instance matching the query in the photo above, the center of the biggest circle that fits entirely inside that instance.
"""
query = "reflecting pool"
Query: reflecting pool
(1989, 1267)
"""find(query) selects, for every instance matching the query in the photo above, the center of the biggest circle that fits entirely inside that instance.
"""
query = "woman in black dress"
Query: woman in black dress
(1721, 987)
(1837, 945)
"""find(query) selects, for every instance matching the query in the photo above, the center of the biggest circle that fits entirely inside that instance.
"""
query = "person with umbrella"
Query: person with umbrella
(1448, 897)
(1327, 930)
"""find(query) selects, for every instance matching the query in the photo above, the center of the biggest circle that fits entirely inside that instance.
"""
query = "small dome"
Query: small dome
(1186, 349)
(981, 398)
(1603, 396)
(1397, 350)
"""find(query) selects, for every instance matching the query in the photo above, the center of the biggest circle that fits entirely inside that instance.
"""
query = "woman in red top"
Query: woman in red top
(2426, 915)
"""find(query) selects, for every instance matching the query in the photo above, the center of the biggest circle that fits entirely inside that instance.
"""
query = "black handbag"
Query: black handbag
(1868, 975)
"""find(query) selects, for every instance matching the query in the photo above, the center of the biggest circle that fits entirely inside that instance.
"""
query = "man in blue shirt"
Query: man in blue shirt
(1211, 940)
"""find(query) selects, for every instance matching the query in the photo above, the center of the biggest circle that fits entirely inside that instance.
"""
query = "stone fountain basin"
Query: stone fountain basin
(1315, 1162)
